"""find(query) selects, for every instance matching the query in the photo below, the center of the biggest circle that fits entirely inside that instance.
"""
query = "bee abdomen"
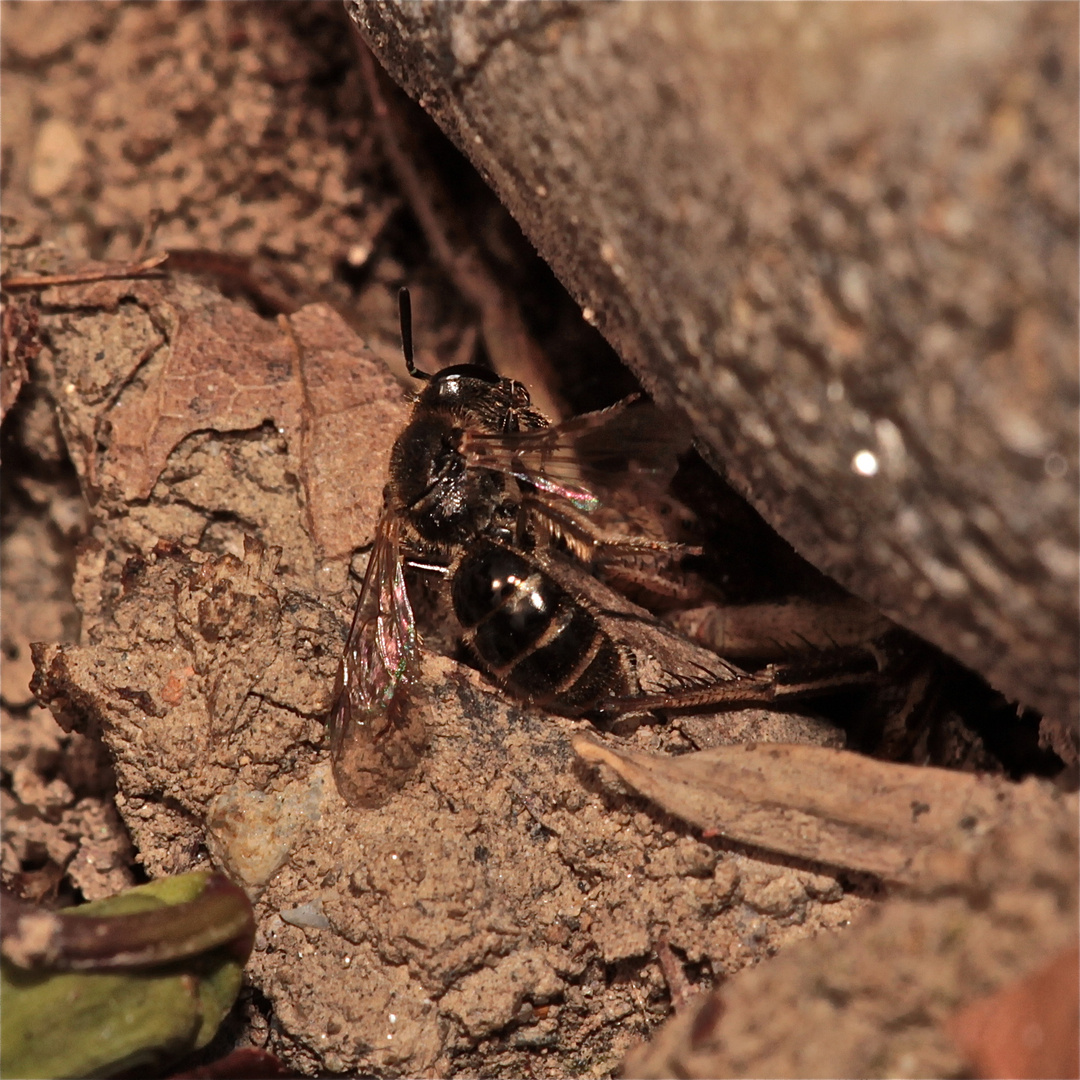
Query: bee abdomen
(531, 635)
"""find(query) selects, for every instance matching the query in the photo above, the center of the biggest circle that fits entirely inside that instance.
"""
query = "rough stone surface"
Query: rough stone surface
(843, 240)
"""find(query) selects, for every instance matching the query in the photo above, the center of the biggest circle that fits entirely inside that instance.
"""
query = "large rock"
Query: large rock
(844, 240)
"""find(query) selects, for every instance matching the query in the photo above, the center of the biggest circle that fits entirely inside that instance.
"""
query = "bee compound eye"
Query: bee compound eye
(458, 375)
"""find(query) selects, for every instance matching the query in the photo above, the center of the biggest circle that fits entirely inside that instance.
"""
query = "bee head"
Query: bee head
(475, 395)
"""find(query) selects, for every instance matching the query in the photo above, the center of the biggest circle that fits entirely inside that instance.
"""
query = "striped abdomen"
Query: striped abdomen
(530, 634)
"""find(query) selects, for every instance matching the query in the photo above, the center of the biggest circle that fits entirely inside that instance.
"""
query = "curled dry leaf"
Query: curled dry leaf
(817, 803)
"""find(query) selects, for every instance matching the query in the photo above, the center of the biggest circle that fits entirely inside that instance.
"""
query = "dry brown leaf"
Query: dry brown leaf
(225, 369)
(356, 412)
(179, 359)
(173, 360)
(816, 803)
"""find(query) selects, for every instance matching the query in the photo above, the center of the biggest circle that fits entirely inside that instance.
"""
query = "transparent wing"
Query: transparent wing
(580, 458)
(376, 736)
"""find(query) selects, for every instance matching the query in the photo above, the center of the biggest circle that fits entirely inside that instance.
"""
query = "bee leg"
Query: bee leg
(656, 589)
(777, 682)
(625, 722)
(556, 519)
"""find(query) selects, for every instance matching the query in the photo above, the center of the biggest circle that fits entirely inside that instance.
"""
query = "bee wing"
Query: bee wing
(375, 737)
(586, 454)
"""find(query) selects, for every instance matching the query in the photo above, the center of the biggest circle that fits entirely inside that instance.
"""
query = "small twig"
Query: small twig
(84, 277)
(153, 219)
(272, 287)
(511, 347)
(679, 986)
(518, 789)
(307, 413)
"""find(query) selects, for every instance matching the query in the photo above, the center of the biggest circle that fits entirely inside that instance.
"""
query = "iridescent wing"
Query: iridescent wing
(577, 459)
(376, 737)
(631, 448)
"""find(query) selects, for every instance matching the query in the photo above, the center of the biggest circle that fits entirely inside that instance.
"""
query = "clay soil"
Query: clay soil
(190, 490)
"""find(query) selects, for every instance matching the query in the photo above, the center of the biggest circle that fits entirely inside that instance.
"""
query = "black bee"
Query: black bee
(486, 495)
(484, 492)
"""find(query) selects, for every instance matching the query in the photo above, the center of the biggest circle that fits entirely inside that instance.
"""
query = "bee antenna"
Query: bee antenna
(405, 311)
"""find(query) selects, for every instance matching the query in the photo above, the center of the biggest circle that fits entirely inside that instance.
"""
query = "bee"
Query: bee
(484, 493)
